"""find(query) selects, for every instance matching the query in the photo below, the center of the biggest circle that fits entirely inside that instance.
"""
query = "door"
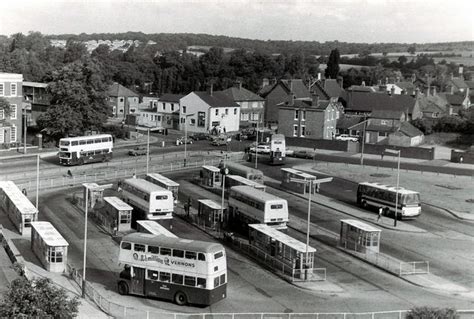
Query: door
(138, 281)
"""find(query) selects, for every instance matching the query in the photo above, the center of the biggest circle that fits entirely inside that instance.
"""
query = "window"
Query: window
(55, 255)
(303, 131)
(217, 111)
(178, 253)
(296, 114)
(2, 114)
(177, 279)
(161, 197)
(125, 218)
(190, 281)
(154, 249)
(303, 115)
(165, 251)
(121, 100)
(190, 255)
(13, 111)
(172, 107)
(218, 255)
(235, 111)
(383, 122)
(184, 109)
(139, 247)
(12, 89)
(2, 89)
(164, 106)
(152, 274)
(276, 206)
(126, 245)
(295, 130)
(222, 279)
(382, 134)
(201, 119)
(193, 122)
(201, 282)
(201, 257)
(13, 133)
(216, 282)
(165, 276)
(226, 111)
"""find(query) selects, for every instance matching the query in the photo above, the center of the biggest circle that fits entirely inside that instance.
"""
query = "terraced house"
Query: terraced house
(11, 124)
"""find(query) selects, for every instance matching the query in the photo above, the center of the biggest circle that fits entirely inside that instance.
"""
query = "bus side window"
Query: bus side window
(177, 279)
(190, 281)
(190, 255)
(165, 276)
(74, 143)
(82, 142)
(105, 139)
(126, 245)
(139, 247)
(165, 251)
(152, 274)
(201, 282)
(202, 257)
(216, 282)
(178, 253)
(222, 279)
(153, 249)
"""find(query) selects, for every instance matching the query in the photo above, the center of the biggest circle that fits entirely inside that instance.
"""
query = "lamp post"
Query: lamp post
(148, 151)
(224, 172)
(186, 135)
(395, 152)
(85, 242)
(363, 141)
(37, 178)
(256, 148)
(24, 130)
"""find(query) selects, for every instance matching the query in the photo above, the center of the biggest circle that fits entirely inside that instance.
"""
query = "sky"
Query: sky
(403, 21)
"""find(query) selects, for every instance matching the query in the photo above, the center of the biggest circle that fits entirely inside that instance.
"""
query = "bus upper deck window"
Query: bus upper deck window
(202, 257)
(105, 139)
(178, 253)
(165, 251)
(83, 142)
(126, 245)
(161, 197)
(74, 143)
(218, 255)
(190, 255)
(64, 143)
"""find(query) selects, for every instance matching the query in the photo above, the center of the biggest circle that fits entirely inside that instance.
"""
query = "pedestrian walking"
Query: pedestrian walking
(381, 209)
(69, 173)
(381, 155)
(134, 176)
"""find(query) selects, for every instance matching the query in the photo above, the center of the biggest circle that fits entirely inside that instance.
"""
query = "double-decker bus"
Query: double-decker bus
(379, 195)
(17, 206)
(85, 149)
(277, 149)
(237, 180)
(164, 182)
(248, 205)
(148, 200)
(182, 270)
(244, 171)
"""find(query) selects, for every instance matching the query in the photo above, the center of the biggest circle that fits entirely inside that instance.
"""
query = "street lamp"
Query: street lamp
(85, 241)
(363, 141)
(186, 134)
(256, 147)
(395, 152)
(148, 151)
(224, 172)
(24, 130)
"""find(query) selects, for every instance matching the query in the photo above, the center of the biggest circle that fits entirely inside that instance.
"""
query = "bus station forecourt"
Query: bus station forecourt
(453, 200)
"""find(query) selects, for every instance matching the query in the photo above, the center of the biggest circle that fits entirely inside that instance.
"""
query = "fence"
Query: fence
(414, 267)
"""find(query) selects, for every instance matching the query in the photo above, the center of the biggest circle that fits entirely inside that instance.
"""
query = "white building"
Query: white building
(209, 112)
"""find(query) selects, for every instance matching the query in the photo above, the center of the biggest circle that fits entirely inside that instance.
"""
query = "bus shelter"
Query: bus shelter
(95, 195)
(18, 207)
(290, 256)
(210, 213)
(49, 246)
(210, 176)
(359, 236)
(115, 215)
(289, 177)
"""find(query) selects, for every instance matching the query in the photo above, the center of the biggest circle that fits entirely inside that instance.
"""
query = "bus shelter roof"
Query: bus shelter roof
(117, 203)
(282, 238)
(211, 168)
(20, 201)
(210, 203)
(49, 234)
(298, 173)
(360, 225)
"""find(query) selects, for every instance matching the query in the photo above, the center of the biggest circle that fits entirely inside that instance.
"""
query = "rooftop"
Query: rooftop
(217, 99)
(241, 94)
(117, 90)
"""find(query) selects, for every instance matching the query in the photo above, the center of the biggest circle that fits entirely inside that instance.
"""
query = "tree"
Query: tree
(78, 100)
(332, 69)
(37, 298)
(431, 313)
(5, 106)
(411, 49)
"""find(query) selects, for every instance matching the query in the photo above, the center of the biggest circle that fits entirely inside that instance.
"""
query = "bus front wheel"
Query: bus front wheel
(180, 298)
(123, 288)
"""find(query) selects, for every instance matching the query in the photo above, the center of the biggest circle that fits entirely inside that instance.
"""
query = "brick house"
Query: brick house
(209, 112)
(11, 89)
(303, 119)
(35, 100)
(122, 101)
(280, 92)
(168, 110)
(251, 105)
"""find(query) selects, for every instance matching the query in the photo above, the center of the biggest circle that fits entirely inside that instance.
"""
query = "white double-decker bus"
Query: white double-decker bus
(182, 270)
(149, 201)
(164, 182)
(381, 196)
(85, 149)
(248, 205)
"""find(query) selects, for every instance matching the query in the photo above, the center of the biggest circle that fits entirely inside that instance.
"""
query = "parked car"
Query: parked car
(303, 154)
(261, 149)
(199, 136)
(181, 140)
(137, 151)
(220, 141)
(346, 137)
(289, 152)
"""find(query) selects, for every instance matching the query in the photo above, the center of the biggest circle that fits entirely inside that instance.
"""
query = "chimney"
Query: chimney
(380, 82)
(363, 83)
(434, 91)
(319, 76)
(211, 89)
(392, 90)
(290, 84)
(292, 99)
(386, 80)
(413, 78)
(417, 92)
(461, 70)
(452, 76)
(314, 99)
(398, 79)
(340, 81)
(265, 82)
(238, 85)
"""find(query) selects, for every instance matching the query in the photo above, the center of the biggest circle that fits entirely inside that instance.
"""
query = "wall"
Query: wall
(409, 152)
(229, 121)
(322, 144)
(276, 96)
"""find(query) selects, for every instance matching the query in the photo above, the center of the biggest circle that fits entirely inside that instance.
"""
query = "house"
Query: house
(391, 128)
(208, 112)
(122, 101)
(36, 100)
(470, 84)
(434, 106)
(456, 85)
(307, 119)
(350, 125)
(280, 92)
(458, 101)
(148, 118)
(361, 103)
(11, 89)
(168, 110)
(401, 87)
(251, 105)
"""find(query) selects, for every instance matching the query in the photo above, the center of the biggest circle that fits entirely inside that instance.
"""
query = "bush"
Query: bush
(117, 131)
(424, 125)
(453, 124)
(431, 313)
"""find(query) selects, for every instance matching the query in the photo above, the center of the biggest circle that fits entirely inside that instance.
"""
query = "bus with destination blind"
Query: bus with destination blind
(381, 196)
(248, 205)
(244, 171)
(152, 227)
(182, 270)
(277, 149)
(237, 180)
(85, 149)
(149, 201)
(164, 182)
(17, 206)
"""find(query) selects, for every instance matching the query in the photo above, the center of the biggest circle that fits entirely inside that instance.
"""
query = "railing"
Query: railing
(414, 267)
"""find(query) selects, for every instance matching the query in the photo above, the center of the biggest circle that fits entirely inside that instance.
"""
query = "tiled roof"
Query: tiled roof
(432, 104)
(454, 99)
(297, 87)
(265, 90)
(405, 85)
(470, 84)
(368, 102)
(409, 130)
(361, 88)
(170, 97)
(386, 114)
(332, 88)
(117, 90)
(459, 83)
(241, 94)
(318, 90)
(217, 99)
(381, 128)
(347, 122)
